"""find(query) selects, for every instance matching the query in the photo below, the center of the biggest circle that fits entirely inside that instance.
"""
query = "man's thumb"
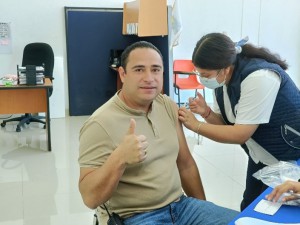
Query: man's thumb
(131, 129)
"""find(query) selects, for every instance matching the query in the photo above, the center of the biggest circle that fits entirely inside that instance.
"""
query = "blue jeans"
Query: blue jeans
(186, 211)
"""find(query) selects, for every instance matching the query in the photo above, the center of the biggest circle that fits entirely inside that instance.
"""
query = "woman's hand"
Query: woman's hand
(188, 119)
(286, 187)
(198, 105)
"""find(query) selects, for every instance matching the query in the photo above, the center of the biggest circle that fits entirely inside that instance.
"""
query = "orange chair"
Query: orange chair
(189, 82)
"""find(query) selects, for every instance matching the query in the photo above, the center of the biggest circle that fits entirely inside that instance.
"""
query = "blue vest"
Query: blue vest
(281, 136)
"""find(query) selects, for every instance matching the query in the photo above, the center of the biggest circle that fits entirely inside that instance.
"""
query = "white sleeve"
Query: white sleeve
(258, 95)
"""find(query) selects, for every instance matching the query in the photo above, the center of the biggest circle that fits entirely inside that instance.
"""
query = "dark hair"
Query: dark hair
(217, 51)
(130, 48)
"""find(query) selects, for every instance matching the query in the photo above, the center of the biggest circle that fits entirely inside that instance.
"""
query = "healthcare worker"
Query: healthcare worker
(257, 105)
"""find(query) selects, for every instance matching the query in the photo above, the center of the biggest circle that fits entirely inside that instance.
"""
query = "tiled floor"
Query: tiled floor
(41, 188)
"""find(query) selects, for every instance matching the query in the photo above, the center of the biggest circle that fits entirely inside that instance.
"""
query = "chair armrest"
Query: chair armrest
(184, 72)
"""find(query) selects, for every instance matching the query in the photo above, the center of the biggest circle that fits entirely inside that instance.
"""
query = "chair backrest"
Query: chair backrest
(39, 54)
(184, 65)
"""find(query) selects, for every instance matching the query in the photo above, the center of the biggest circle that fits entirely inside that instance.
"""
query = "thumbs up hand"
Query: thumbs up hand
(133, 146)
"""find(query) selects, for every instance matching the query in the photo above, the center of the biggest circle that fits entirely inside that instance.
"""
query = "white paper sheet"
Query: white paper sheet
(267, 207)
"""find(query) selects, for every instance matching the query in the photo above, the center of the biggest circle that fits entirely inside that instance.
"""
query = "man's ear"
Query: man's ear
(122, 73)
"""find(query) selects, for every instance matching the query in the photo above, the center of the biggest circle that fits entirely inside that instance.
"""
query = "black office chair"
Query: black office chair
(38, 54)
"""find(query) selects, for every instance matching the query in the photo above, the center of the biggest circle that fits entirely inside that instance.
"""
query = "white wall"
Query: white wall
(41, 21)
(272, 23)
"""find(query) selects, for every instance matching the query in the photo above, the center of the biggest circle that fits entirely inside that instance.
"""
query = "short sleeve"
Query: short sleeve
(171, 108)
(258, 94)
(94, 145)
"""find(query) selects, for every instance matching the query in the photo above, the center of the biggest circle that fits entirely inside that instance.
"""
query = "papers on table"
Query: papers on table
(31, 74)
(267, 207)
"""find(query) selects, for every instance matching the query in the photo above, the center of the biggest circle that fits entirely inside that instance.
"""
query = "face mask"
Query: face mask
(211, 83)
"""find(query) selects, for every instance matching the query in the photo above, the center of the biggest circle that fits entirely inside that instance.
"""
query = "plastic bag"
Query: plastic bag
(277, 174)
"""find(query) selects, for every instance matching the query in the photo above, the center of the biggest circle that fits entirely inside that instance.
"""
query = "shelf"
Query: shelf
(145, 18)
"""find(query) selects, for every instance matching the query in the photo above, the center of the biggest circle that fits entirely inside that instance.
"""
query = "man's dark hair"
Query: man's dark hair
(130, 48)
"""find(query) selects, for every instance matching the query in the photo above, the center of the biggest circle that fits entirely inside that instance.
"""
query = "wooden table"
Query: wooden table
(18, 99)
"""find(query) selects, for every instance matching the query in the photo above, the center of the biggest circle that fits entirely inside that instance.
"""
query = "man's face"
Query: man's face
(143, 78)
